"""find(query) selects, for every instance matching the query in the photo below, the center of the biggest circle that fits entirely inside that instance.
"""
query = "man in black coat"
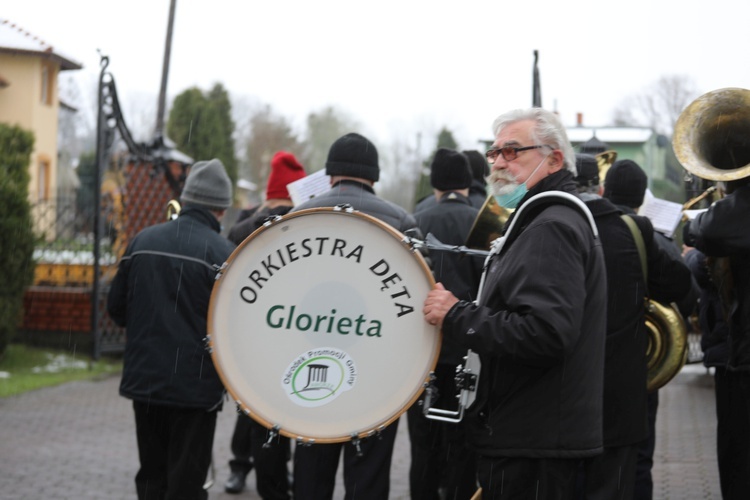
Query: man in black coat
(625, 186)
(161, 294)
(478, 188)
(721, 234)
(612, 474)
(249, 446)
(539, 321)
(732, 431)
(353, 167)
(440, 457)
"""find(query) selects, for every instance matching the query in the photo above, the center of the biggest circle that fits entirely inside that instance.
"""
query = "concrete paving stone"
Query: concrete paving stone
(77, 441)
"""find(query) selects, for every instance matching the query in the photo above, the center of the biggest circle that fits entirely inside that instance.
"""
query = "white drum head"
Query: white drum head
(316, 325)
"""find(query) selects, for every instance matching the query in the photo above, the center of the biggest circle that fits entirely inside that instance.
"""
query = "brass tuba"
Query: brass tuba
(667, 348)
(712, 141)
(712, 135)
(488, 225)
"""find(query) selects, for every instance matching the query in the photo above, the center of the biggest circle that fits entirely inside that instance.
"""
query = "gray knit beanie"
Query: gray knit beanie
(208, 186)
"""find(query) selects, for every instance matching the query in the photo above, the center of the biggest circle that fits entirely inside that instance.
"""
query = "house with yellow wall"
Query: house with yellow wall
(29, 67)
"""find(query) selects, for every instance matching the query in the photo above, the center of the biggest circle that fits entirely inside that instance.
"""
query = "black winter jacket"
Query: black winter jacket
(722, 231)
(625, 370)
(161, 294)
(362, 198)
(450, 221)
(713, 326)
(247, 226)
(539, 329)
(477, 197)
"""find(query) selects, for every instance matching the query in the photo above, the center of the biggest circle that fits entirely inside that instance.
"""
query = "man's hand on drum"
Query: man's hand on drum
(437, 304)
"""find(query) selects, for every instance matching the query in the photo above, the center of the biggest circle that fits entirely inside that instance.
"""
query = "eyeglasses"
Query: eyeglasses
(509, 153)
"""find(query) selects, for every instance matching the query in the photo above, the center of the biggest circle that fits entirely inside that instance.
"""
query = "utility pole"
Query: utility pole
(536, 90)
(165, 72)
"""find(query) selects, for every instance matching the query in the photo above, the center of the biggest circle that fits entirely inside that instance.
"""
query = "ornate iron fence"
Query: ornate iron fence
(80, 243)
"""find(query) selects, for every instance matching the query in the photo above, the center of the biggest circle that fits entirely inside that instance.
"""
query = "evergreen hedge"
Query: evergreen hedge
(17, 237)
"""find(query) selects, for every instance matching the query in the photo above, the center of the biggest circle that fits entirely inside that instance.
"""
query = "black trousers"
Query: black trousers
(242, 448)
(527, 478)
(248, 447)
(174, 447)
(440, 456)
(644, 483)
(733, 433)
(366, 477)
(609, 476)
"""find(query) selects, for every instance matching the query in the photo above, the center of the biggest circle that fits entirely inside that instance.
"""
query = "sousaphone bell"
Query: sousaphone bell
(712, 135)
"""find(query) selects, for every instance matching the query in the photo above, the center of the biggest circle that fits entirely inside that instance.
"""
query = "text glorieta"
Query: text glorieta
(279, 317)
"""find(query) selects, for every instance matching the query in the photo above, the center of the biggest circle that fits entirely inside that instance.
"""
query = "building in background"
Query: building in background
(652, 151)
(29, 98)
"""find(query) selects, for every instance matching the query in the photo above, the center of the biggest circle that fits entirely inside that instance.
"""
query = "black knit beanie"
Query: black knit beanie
(354, 156)
(480, 169)
(449, 170)
(625, 184)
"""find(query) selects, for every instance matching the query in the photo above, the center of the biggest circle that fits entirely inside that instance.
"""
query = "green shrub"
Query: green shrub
(16, 228)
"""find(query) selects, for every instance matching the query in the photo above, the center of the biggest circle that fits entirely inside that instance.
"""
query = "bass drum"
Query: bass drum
(316, 326)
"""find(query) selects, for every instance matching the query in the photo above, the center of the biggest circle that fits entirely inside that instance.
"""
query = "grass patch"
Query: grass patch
(24, 368)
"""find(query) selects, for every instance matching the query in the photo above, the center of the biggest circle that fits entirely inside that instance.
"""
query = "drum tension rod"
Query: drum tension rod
(271, 219)
(301, 441)
(207, 344)
(220, 270)
(356, 442)
(345, 207)
(272, 433)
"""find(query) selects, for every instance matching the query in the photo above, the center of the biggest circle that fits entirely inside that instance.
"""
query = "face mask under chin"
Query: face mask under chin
(510, 195)
(512, 198)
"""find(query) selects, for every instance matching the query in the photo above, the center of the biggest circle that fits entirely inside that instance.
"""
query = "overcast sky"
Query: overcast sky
(398, 67)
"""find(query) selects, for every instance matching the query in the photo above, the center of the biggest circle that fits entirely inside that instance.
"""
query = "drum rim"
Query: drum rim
(243, 407)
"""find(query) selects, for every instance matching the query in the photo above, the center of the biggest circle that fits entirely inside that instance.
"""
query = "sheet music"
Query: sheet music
(308, 187)
(692, 214)
(664, 215)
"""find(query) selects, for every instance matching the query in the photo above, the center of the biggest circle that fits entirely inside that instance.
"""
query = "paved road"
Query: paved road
(77, 441)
